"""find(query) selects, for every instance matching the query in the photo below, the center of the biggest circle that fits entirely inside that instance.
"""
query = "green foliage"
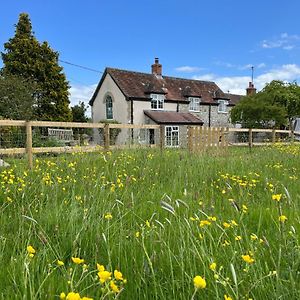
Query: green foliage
(38, 140)
(157, 201)
(24, 56)
(16, 98)
(113, 132)
(275, 106)
(78, 113)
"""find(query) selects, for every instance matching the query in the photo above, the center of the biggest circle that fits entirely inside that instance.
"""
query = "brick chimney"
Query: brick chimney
(156, 67)
(251, 90)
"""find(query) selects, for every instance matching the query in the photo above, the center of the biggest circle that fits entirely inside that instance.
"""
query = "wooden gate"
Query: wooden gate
(201, 138)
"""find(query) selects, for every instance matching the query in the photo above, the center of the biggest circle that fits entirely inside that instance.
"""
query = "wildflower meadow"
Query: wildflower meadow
(150, 224)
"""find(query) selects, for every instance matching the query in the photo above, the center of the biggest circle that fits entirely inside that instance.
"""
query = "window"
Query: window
(222, 108)
(157, 101)
(172, 136)
(194, 104)
(109, 108)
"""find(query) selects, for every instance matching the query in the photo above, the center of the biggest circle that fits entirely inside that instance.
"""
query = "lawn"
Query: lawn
(145, 224)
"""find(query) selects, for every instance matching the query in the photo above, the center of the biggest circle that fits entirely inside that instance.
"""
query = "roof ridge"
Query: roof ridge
(163, 77)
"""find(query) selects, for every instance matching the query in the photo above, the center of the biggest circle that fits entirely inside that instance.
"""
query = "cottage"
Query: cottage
(151, 98)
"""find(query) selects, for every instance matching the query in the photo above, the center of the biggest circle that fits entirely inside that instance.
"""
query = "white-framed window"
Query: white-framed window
(172, 136)
(222, 107)
(194, 104)
(109, 107)
(157, 101)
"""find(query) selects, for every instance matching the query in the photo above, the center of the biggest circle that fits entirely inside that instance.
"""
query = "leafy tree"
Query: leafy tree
(275, 106)
(78, 113)
(24, 56)
(286, 95)
(16, 98)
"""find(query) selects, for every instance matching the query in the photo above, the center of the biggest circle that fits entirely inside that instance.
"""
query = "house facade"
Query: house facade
(152, 98)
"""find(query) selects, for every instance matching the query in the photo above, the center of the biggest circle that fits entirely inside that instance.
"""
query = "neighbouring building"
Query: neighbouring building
(152, 98)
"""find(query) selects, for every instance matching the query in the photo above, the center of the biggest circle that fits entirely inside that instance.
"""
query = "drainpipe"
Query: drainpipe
(131, 118)
(209, 115)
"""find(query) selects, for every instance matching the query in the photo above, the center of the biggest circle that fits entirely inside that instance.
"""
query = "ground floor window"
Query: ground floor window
(172, 136)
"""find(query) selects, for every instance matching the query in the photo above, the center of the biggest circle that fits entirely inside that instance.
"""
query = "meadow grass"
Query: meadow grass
(159, 218)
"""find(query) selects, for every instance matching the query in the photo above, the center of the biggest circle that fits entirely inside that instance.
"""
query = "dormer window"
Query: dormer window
(222, 107)
(157, 101)
(194, 104)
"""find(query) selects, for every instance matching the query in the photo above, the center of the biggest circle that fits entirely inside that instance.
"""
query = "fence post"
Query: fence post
(250, 138)
(222, 137)
(273, 136)
(189, 138)
(106, 137)
(292, 136)
(162, 137)
(29, 143)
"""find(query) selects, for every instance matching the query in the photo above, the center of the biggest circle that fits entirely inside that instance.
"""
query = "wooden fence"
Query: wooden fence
(29, 150)
(201, 138)
(197, 137)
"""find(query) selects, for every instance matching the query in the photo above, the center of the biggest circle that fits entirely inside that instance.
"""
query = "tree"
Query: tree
(24, 56)
(16, 98)
(78, 113)
(286, 95)
(275, 106)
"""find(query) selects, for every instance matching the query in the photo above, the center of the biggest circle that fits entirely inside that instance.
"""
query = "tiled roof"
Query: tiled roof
(234, 99)
(138, 85)
(172, 117)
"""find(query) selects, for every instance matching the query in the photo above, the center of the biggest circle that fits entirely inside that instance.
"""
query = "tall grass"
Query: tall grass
(140, 212)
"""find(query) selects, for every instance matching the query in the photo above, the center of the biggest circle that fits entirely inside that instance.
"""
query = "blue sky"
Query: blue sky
(209, 40)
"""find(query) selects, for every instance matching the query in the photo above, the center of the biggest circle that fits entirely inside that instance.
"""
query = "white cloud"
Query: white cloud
(284, 41)
(188, 69)
(238, 84)
(239, 67)
(82, 93)
(261, 65)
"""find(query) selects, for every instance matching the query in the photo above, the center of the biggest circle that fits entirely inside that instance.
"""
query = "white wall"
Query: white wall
(140, 106)
(121, 107)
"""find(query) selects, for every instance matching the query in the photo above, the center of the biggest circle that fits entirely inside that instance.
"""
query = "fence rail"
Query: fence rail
(196, 138)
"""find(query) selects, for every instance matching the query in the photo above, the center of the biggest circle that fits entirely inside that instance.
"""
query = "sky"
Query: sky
(216, 40)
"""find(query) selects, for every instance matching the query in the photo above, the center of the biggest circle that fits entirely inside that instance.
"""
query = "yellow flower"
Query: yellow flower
(199, 282)
(253, 237)
(248, 259)
(234, 223)
(226, 243)
(238, 238)
(60, 263)
(244, 208)
(108, 216)
(213, 266)
(282, 218)
(73, 296)
(114, 287)
(62, 295)
(86, 298)
(276, 197)
(118, 275)
(137, 234)
(77, 260)
(100, 268)
(204, 223)
(31, 250)
(227, 297)
(148, 224)
(104, 276)
(226, 225)
(214, 219)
